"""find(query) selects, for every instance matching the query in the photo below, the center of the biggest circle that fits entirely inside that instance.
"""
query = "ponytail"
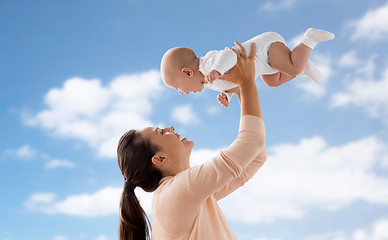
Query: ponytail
(134, 155)
(133, 219)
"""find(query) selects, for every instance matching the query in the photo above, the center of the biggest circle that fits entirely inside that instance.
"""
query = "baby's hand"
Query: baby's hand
(222, 99)
(211, 76)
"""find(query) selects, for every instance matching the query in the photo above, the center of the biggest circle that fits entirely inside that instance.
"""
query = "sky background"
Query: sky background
(75, 75)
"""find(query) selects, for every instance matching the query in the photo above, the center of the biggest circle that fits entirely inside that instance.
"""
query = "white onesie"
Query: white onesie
(222, 61)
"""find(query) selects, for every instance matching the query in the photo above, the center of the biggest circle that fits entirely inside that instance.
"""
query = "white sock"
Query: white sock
(312, 36)
(311, 71)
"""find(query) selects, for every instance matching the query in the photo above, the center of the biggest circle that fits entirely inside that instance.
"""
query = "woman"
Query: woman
(185, 199)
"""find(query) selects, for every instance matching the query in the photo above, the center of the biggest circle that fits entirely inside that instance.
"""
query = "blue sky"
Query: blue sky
(75, 75)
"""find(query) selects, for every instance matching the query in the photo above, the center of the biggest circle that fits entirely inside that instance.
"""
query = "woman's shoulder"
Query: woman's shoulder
(172, 183)
(173, 191)
(178, 184)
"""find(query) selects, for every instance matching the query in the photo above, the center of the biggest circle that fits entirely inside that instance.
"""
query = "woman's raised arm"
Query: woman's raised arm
(243, 74)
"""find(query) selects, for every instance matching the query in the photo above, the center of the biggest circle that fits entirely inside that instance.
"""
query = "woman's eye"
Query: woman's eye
(162, 131)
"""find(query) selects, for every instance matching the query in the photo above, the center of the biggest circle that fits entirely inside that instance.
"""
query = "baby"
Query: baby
(182, 70)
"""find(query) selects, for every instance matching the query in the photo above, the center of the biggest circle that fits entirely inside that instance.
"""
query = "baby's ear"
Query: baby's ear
(187, 72)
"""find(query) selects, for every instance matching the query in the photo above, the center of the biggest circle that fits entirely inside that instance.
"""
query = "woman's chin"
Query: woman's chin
(187, 141)
(189, 144)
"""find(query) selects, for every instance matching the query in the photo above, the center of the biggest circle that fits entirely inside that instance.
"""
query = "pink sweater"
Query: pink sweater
(185, 206)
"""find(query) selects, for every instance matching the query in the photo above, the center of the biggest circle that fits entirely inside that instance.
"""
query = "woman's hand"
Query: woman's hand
(244, 70)
(243, 74)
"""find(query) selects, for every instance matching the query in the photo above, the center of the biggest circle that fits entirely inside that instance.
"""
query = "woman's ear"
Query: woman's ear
(187, 72)
(159, 159)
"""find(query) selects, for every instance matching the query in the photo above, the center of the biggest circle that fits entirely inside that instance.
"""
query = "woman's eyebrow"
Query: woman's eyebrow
(156, 130)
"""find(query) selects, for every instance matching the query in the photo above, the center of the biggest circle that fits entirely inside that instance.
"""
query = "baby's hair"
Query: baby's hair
(177, 58)
(184, 56)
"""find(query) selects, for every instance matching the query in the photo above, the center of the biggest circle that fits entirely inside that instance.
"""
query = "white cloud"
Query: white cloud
(102, 237)
(58, 163)
(310, 174)
(202, 155)
(213, 110)
(25, 152)
(369, 94)
(349, 59)
(324, 64)
(272, 6)
(98, 115)
(184, 114)
(101, 203)
(368, 68)
(377, 231)
(372, 26)
(37, 201)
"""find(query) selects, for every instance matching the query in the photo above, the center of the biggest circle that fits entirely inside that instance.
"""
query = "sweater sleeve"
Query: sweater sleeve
(205, 180)
(224, 60)
(247, 174)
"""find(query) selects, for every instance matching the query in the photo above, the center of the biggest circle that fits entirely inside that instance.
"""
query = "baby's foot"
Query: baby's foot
(312, 36)
(319, 35)
(222, 99)
(312, 72)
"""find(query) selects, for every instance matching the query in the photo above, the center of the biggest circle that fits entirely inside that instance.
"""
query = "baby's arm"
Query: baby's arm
(223, 98)
(224, 60)
(211, 76)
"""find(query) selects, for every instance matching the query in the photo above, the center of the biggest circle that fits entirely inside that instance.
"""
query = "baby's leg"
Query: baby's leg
(276, 79)
(292, 62)
(286, 61)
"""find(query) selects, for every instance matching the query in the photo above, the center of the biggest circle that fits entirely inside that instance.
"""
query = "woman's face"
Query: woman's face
(176, 149)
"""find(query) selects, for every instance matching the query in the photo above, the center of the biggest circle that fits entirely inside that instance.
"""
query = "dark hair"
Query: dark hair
(134, 154)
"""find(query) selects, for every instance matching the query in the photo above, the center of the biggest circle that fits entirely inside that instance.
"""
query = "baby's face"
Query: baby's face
(185, 85)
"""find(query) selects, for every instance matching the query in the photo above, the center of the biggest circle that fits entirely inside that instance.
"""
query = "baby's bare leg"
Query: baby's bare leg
(293, 62)
(286, 61)
(276, 79)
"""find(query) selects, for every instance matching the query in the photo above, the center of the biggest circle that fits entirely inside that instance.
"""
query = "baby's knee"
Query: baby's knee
(294, 71)
(272, 84)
